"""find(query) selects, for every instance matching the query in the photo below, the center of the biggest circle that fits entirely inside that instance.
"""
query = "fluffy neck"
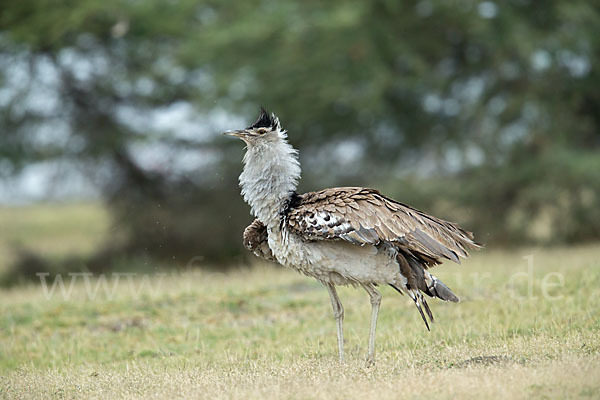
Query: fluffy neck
(270, 176)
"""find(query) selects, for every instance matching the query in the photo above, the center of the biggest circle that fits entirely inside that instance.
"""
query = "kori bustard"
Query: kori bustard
(341, 236)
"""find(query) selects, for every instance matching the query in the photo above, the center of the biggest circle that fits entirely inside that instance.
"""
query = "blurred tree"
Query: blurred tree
(492, 107)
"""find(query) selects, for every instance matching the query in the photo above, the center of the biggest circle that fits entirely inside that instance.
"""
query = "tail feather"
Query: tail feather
(415, 298)
(426, 282)
(427, 309)
(439, 289)
(418, 281)
(420, 303)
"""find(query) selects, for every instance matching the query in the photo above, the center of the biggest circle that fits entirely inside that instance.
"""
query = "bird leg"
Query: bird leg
(375, 303)
(338, 314)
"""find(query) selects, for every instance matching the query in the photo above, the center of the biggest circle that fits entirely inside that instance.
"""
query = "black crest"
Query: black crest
(265, 120)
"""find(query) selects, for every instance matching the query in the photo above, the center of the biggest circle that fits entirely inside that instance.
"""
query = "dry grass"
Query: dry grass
(310, 378)
(267, 332)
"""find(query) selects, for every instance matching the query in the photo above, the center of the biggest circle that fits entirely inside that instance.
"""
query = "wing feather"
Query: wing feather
(365, 216)
(256, 240)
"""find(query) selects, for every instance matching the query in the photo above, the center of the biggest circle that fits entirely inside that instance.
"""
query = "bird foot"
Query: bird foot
(370, 361)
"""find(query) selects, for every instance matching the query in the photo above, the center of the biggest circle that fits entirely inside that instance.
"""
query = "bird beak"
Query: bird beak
(239, 133)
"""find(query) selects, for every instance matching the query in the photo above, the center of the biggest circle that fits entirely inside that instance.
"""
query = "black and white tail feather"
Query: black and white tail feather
(433, 288)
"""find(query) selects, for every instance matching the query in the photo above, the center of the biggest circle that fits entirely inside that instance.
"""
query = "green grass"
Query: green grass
(268, 332)
(51, 230)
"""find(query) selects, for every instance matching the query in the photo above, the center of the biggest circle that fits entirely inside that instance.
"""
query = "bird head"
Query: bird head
(266, 129)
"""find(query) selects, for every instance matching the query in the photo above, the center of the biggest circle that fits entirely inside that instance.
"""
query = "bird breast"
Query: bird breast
(337, 262)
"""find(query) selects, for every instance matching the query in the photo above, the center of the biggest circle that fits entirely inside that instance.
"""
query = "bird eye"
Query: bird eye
(262, 131)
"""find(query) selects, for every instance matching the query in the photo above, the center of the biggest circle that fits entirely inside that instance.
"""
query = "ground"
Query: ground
(527, 327)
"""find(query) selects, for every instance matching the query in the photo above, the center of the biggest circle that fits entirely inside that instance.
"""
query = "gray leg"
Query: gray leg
(338, 314)
(375, 302)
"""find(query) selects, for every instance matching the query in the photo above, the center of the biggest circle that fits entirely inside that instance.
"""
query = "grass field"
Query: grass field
(525, 328)
(51, 230)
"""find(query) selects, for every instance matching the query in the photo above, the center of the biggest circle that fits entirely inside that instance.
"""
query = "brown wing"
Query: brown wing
(255, 240)
(364, 216)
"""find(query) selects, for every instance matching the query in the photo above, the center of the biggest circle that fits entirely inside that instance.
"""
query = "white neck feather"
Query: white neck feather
(270, 176)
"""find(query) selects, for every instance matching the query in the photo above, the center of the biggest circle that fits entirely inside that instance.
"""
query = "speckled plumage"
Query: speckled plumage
(341, 236)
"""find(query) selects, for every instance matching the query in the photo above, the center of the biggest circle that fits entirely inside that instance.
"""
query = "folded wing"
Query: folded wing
(255, 240)
(365, 216)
